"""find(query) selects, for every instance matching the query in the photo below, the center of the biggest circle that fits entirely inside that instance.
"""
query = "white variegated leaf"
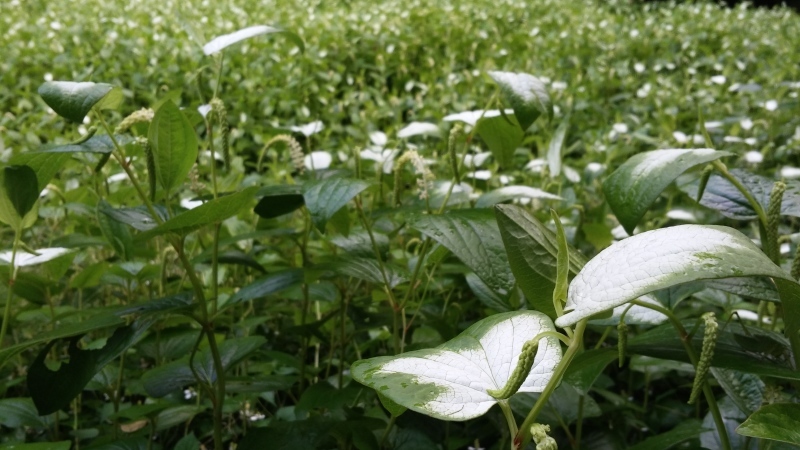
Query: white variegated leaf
(659, 259)
(451, 381)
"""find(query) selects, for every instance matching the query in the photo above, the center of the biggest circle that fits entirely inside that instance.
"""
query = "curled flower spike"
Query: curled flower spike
(221, 113)
(295, 151)
(141, 116)
(540, 437)
(796, 264)
(706, 355)
(771, 247)
(520, 372)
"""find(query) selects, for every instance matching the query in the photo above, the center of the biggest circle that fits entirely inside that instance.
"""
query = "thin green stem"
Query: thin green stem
(723, 170)
(512, 424)
(524, 434)
(12, 276)
(686, 341)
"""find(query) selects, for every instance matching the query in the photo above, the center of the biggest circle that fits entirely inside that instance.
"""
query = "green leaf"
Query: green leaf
(724, 197)
(279, 200)
(473, 236)
(174, 145)
(53, 390)
(587, 366)
(660, 259)
(532, 248)
(366, 269)
(221, 42)
(556, 147)
(73, 101)
(684, 431)
(486, 295)
(297, 434)
(636, 184)
(94, 323)
(502, 135)
(60, 445)
(173, 376)
(139, 217)
(777, 422)
(46, 165)
(746, 390)
(267, 285)
(758, 288)
(95, 144)
(325, 197)
(116, 233)
(21, 187)
(188, 442)
(751, 350)
(21, 413)
(212, 211)
(395, 409)
(451, 381)
(526, 94)
(323, 395)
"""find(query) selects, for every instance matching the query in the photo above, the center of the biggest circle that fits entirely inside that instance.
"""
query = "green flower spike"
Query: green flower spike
(706, 355)
(540, 437)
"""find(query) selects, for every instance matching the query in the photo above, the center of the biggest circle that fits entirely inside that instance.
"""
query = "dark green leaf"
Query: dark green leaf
(758, 288)
(298, 434)
(267, 285)
(138, 217)
(473, 236)
(684, 431)
(366, 269)
(778, 422)
(73, 101)
(324, 396)
(486, 295)
(587, 366)
(173, 376)
(46, 165)
(53, 390)
(116, 233)
(60, 445)
(21, 187)
(744, 389)
(209, 212)
(20, 412)
(724, 197)
(737, 348)
(325, 197)
(94, 323)
(188, 442)
(636, 184)
(532, 255)
(174, 145)
(279, 200)
(260, 383)
(95, 144)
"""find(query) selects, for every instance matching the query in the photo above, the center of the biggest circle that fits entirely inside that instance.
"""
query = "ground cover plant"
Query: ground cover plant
(405, 225)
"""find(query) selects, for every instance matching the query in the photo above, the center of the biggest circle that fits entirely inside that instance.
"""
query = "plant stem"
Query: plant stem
(685, 340)
(524, 433)
(12, 275)
(512, 424)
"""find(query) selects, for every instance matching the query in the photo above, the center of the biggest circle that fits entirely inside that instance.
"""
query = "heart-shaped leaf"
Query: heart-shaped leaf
(279, 200)
(526, 94)
(473, 236)
(73, 101)
(174, 145)
(636, 184)
(325, 197)
(659, 259)
(452, 381)
(778, 422)
(221, 42)
(21, 187)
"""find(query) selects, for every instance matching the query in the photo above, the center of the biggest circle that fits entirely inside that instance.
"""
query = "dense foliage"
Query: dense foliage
(230, 242)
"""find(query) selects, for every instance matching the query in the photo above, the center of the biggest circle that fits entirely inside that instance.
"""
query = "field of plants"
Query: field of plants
(419, 225)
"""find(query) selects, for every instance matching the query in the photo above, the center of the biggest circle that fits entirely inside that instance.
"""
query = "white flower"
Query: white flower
(680, 137)
(309, 128)
(753, 157)
(718, 79)
(318, 160)
(771, 105)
